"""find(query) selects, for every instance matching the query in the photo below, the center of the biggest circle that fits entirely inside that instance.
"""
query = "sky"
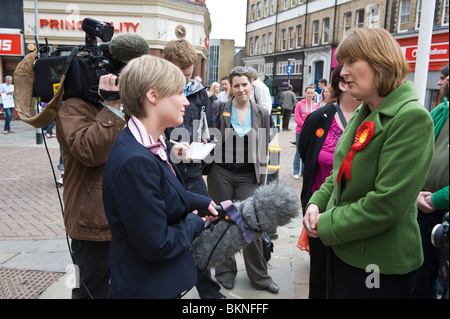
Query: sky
(228, 20)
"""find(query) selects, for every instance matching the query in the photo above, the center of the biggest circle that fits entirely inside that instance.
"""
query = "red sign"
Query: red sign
(437, 52)
(11, 44)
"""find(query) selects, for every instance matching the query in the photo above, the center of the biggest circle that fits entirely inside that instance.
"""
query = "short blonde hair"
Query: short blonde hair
(144, 73)
(181, 53)
(381, 51)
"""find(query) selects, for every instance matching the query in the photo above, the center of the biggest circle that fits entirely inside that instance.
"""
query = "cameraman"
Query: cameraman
(86, 133)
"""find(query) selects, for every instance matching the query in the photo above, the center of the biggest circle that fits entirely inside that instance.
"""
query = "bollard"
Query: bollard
(274, 162)
(278, 118)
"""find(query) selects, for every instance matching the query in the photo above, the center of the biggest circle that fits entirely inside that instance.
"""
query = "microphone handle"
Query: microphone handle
(205, 212)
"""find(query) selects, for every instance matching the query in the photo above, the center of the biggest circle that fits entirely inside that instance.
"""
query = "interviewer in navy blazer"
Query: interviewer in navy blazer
(148, 208)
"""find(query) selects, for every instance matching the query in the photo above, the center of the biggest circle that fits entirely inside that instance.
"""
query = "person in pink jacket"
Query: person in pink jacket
(302, 110)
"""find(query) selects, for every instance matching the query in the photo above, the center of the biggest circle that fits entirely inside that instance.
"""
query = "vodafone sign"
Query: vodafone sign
(437, 52)
(11, 45)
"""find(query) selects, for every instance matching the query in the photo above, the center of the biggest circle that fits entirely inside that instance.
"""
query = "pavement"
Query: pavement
(34, 257)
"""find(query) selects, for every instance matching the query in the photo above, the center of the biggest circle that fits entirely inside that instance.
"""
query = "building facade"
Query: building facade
(158, 21)
(293, 41)
(221, 59)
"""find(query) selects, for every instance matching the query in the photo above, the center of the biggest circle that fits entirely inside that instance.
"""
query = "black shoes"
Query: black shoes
(228, 284)
(272, 288)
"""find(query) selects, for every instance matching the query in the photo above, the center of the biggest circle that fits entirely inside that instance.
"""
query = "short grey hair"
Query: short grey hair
(253, 72)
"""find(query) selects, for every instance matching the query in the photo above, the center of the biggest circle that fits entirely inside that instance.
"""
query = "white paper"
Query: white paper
(8, 101)
(199, 151)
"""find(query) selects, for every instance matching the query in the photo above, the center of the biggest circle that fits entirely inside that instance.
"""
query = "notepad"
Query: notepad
(199, 151)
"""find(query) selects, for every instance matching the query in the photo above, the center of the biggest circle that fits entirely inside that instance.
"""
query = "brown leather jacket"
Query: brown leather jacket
(86, 134)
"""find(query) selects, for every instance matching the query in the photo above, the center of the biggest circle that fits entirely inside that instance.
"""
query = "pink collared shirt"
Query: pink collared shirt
(141, 135)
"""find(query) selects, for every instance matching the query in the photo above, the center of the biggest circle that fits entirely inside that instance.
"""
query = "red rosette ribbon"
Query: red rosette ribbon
(363, 136)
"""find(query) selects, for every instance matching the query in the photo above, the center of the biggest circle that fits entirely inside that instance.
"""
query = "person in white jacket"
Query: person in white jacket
(260, 93)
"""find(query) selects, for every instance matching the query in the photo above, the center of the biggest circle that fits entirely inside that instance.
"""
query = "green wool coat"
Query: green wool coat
(372, 219)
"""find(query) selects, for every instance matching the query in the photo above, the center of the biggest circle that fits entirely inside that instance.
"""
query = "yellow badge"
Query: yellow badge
(55, 88)
(226, 114)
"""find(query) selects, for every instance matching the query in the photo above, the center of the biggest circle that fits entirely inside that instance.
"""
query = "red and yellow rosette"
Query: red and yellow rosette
(363, 136)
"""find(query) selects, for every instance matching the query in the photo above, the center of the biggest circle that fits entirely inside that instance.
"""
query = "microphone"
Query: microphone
(122, 49)
(271, 205)
(126, 47)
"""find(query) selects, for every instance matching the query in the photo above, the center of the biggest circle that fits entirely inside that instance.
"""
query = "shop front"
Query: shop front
(12, 49)
(439, 57)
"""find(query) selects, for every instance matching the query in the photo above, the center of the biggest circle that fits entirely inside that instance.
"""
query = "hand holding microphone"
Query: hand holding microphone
(271, 205)
(211, 214)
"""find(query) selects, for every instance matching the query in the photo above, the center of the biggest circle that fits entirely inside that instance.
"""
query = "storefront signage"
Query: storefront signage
(11, 44)
(437, 52)
(64, 24)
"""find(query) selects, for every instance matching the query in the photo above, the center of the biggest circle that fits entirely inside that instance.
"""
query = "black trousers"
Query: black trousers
(318, 268)
(93, 261)
(286, 118)
(347, 282)
(426, 287)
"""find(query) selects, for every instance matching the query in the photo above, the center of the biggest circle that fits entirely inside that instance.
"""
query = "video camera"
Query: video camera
(439, 239)
(439, 235)
(82, 65)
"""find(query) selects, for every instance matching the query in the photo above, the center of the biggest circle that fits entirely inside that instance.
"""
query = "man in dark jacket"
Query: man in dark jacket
(183, 55)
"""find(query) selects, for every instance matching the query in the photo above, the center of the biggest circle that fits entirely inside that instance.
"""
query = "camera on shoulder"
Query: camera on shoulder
(82, 65)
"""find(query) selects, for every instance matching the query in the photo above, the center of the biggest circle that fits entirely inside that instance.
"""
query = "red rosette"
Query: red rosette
(320, 132)
(362, 138)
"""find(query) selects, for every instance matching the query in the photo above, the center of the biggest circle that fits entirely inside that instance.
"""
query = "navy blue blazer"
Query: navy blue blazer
(148, 210)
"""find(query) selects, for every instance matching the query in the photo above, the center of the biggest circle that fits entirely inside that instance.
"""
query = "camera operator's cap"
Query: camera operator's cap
(23, 95)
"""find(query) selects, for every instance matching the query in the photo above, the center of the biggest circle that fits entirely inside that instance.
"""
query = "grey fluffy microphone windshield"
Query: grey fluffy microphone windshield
(271, 205)
(126, 47)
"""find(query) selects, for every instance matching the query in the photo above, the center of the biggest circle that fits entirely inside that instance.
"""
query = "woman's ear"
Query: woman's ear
(343, 86)
(151, 95)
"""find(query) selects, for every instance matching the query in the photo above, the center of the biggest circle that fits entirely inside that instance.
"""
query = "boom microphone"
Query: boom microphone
(271, 205)
(126, 47)
(122, 49)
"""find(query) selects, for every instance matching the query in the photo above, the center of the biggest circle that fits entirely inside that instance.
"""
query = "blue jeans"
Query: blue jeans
(297, 158)
(8, 116)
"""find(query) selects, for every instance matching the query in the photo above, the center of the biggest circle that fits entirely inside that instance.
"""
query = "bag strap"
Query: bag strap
(70, 58)
(341, 115)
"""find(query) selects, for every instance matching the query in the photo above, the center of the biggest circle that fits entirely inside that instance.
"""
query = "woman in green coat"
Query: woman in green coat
(366, 210)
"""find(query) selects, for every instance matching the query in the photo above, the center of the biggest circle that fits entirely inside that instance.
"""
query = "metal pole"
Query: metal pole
(36, 31)
(423, 49)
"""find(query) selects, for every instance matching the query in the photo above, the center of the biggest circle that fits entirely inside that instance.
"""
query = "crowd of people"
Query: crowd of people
(374, 164)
